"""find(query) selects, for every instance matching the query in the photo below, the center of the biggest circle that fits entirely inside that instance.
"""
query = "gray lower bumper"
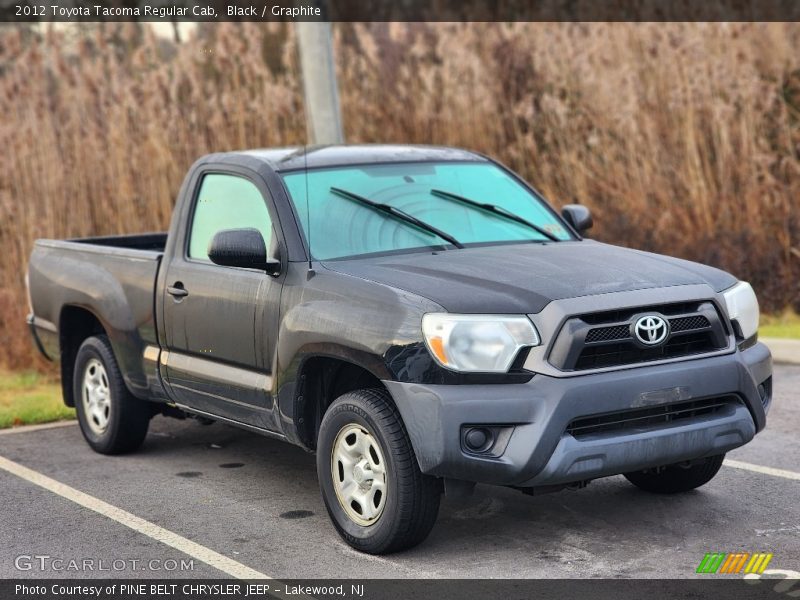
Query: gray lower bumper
(575, 460)
(540, 452)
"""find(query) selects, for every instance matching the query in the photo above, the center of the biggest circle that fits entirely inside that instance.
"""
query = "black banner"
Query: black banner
(398, 10)
(712, 587)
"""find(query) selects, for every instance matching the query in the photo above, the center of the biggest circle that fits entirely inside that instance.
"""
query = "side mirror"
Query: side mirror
(242, 248)
(578, 216)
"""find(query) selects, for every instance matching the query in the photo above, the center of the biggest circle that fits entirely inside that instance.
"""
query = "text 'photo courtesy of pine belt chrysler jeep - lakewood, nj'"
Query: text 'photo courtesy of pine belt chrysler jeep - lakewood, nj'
(418, 317)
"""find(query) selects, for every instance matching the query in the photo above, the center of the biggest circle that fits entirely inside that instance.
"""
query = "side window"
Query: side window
(226, 202)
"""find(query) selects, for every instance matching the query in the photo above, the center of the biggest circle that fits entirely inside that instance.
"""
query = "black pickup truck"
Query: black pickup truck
(419, 317)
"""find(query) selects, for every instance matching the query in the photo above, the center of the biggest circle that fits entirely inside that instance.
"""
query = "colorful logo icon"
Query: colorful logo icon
(736, 562)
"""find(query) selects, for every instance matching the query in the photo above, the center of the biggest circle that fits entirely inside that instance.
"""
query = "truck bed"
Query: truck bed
(154, 242)
(109, 279)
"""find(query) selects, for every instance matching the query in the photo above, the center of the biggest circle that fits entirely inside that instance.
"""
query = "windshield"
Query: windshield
(342, 228)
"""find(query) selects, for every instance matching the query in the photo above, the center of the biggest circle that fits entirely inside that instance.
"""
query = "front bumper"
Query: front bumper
(539, 451)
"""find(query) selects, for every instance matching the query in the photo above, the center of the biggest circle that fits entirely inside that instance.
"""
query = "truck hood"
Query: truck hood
(524, 278)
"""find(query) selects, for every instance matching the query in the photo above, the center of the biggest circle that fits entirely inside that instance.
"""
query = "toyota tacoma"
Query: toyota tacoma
(419, 317)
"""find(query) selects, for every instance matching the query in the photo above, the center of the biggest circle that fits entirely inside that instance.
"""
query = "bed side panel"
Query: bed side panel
(116, 285)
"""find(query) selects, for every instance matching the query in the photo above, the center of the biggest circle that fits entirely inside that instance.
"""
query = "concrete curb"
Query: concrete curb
(39, 427)
(783, 350)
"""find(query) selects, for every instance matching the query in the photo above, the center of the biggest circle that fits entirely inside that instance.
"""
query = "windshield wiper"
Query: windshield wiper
(401, 215)
(496, 210)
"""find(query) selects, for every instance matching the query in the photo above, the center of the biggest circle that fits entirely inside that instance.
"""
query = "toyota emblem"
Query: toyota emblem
(651, 330)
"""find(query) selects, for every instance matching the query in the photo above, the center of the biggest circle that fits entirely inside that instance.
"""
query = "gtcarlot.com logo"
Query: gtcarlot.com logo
(733, 563)
(45, 562)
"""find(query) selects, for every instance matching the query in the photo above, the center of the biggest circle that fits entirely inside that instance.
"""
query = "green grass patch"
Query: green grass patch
(27, 398)
(784, 325)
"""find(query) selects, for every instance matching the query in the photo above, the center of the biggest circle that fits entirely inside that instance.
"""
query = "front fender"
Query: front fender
(327, 314)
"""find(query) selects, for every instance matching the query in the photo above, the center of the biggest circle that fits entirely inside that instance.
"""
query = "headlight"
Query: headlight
(743, 308)
(477, 343)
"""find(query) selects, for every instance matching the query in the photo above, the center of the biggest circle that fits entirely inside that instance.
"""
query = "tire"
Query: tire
(112, 420)
(399, 504)
(674, 479)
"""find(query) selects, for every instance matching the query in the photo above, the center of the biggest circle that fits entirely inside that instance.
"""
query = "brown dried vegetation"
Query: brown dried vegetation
(683, 138)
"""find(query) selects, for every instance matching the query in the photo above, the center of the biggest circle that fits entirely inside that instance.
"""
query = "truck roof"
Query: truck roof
(300, 157)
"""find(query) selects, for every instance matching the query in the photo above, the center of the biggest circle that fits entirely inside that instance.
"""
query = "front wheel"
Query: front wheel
(677, 478)
(374, 492)
(112, 420)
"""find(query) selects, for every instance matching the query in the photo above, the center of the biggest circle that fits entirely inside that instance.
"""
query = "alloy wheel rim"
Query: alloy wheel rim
(96, 396)
(359, 474)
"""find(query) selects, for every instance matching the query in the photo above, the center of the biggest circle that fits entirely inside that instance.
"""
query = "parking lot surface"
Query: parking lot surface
(222, 494)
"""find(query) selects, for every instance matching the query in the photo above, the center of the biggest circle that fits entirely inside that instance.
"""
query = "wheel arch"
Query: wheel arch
(321, 378)
(75, 325)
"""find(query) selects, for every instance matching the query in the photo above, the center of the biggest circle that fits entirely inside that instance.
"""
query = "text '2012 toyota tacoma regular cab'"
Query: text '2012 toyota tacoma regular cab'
(419, 317)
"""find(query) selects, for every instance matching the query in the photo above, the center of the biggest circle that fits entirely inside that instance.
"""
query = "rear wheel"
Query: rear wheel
(374, 492)
(112, 420)
(677, 478)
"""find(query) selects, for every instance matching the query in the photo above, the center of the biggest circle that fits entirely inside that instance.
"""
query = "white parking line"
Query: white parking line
(737, 464)
(151, 530)
(29, 428)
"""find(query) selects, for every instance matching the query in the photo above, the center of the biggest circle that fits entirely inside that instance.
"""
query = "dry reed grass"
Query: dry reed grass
(683, 138)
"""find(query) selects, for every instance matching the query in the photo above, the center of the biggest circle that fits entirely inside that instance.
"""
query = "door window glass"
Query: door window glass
(226, 202)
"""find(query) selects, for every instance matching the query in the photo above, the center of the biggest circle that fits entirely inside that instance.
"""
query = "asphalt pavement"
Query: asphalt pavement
(196, 496)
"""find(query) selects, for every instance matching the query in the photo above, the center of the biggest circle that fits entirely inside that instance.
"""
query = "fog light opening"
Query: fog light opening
(478, 439)
(765, 392)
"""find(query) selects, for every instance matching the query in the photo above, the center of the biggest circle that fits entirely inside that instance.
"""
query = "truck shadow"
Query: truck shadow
(566, 528)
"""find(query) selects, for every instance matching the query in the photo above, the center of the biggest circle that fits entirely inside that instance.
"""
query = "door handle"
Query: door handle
(177, 290)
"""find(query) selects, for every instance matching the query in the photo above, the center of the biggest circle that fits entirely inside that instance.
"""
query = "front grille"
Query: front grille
(627, 352)
(625, 314)
(604, 334)
(622, 332)
(604, 339)
(688, 323)
(636, 419)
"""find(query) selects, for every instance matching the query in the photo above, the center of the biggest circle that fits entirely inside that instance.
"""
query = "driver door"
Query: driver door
(219, 321)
